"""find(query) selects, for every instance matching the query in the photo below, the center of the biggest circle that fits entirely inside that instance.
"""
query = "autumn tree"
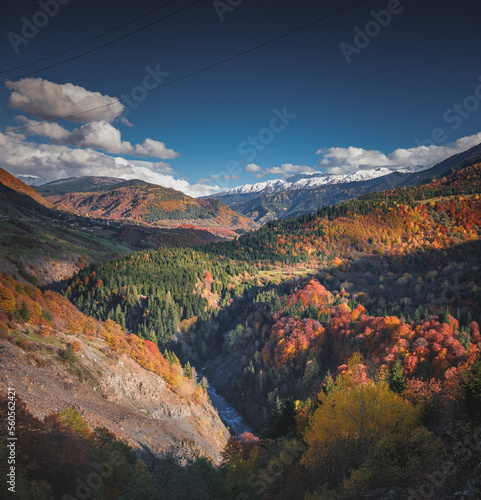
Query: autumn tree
(352, 418)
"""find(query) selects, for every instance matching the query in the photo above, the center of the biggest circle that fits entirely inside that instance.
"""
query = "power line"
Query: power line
(103, 45)
(90, 39)
(206, 68)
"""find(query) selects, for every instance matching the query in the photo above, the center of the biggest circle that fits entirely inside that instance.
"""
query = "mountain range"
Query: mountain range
(42, 244)
(306, 193)
(294, 324)
(142, 203)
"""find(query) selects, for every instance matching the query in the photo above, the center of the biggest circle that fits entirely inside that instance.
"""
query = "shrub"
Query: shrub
(68, 354)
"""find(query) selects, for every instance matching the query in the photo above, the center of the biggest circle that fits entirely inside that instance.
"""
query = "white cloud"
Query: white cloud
(124, 121)
(155, 149)
(51, 130)
(252, 167)
(97, 135)
(285, 170)
(49, 101)
(288, 169)
(349, 160)
(54, 161)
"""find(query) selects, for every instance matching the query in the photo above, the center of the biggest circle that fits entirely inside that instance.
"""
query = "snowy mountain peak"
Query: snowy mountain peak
(309, 181)
(33, 180)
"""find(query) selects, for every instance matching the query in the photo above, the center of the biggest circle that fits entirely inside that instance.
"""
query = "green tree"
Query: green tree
(24, 313)
(396, 377)
(72, 419)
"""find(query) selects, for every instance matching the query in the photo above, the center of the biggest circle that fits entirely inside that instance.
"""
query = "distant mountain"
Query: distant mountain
(143, 203)
(44, 246)
(305, 193)
(33, 180)
(81, 185)
(307, 181)
(9, 181)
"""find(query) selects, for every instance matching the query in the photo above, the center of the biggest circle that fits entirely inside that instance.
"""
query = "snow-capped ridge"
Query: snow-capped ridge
(310, 181)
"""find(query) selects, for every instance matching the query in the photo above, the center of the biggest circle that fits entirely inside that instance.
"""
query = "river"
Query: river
(229, 415)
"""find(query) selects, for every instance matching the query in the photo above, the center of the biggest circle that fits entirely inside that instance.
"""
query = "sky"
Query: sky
(366, 84)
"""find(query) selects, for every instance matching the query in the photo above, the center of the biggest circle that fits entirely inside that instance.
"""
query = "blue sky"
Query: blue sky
(318, 100)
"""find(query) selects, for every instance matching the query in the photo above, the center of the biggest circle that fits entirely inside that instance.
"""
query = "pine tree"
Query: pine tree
(418, 314)
(328, 382)
(287, 420)
(444, 316)
(472, 385)
(188, 370)
(396, 378)
(24, 314)
(426, 314)
(47, 315)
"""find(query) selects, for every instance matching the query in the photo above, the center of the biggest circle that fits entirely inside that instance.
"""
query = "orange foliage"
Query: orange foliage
(64, 316)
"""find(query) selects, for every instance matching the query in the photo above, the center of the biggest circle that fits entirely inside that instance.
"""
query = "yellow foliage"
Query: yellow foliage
(351, 420)
(391, 322)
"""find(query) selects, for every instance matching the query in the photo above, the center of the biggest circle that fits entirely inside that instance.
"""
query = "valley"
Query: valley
(143, 204)
(240, 250)
(226, 355)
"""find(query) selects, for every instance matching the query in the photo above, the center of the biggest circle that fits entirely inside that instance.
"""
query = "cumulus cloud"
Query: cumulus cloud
(284, 170)
(96, 135)
(252, 167)
(50, 101)
(55, 161)
(348, 160)
(51, 130)
(155, 149)
(288, 169)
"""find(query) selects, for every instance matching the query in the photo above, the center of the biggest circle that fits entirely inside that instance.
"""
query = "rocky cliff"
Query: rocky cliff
(109, 390)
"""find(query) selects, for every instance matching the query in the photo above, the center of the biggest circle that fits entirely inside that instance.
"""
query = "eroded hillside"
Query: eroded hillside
(55, 357)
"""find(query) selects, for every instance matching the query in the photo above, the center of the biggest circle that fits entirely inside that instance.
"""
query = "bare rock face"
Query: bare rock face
(114, 392)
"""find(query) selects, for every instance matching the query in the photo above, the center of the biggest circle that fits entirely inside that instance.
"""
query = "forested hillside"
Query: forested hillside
(287, 203)
(157, 293)
(143, 203)
(85, 393)
(42, 245)
(376, 301)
